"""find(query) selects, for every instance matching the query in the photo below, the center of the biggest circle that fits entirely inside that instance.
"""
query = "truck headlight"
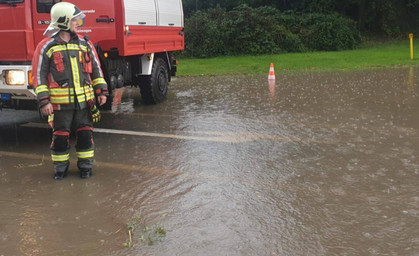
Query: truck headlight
(15, 77)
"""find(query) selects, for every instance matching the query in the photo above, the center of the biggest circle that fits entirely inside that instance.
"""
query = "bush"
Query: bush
(202, 34)
(265, 30)
(248, 31)
(330, 33)
(284, 40)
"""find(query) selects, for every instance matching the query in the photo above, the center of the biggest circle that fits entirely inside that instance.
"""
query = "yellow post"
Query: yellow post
(411, 45)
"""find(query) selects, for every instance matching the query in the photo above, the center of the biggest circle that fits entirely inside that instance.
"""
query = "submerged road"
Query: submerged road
(313, 164)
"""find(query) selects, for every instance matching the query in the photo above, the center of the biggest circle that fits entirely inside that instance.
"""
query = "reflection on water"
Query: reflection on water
(271, 83)
(313, 164)
(411, 80)
(122, 105)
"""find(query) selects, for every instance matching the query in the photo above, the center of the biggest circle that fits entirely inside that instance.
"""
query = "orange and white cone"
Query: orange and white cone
(271, 72)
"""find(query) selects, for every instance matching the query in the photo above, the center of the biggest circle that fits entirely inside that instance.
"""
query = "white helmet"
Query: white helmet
(61, 15)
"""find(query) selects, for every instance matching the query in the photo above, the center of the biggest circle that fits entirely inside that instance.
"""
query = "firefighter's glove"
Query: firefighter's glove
(95, 113)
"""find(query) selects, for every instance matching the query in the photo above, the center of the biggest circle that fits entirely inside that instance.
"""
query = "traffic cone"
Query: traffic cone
(271, 72)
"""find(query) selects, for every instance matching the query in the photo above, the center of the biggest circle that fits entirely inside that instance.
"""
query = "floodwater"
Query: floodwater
(313, 164)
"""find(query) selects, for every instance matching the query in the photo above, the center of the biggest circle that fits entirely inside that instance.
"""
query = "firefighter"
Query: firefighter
(68, 79)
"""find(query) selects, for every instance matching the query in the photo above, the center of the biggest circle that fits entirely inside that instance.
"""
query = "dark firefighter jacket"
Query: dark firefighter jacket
(67, 74)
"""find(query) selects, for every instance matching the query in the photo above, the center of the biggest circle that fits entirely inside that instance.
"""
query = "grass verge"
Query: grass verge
(388, 54)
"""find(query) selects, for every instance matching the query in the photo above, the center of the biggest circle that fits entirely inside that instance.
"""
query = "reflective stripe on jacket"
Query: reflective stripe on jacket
(66, 74)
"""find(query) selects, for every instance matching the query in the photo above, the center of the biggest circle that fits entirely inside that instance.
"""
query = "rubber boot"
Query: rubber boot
(85, 173)
(59, 175)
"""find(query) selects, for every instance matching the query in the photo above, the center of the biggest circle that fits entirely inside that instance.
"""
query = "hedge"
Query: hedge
(266, 30)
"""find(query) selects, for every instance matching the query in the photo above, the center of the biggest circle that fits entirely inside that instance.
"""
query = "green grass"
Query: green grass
(388, 54)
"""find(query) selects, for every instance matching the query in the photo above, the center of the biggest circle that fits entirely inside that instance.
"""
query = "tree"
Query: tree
(386, 17)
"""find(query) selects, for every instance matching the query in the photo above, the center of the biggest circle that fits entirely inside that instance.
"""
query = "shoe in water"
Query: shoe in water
(59, 175)
(85, 173)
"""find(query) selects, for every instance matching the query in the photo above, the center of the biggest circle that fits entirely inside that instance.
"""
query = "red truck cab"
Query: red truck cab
(134, 38)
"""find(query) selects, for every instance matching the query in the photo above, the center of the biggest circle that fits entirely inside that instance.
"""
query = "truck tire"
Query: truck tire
(154, 87)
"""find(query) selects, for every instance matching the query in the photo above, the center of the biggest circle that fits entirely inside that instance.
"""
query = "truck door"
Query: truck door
(16, 39)
(170, 13)
(41, 17)
(99, 23)
(140, 12)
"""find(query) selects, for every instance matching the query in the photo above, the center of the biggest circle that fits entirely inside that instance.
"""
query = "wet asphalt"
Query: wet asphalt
(312, 164)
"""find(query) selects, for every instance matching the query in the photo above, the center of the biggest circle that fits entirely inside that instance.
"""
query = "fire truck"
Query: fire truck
(135, 41)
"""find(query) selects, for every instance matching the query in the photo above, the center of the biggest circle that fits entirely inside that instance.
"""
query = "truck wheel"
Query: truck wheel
(154, 87)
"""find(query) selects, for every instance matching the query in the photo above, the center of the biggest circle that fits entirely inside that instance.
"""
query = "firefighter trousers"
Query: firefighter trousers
(64, 121)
